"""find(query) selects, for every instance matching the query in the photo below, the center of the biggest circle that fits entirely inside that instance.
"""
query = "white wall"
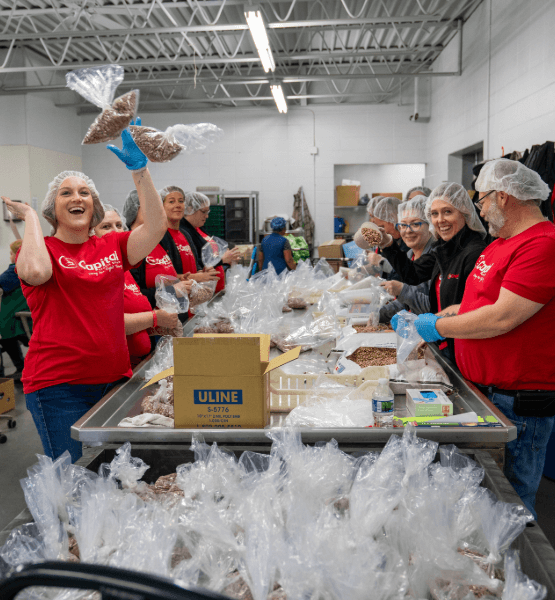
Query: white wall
(519, 74)
(271, 153)
(376, 179)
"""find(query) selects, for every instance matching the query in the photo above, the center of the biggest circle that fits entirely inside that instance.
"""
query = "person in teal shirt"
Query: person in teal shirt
(275, 249)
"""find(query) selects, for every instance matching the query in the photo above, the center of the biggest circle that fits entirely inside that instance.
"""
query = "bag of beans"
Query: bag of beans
(170, 294)
(163, 146)
(98, 86)
(201, 293)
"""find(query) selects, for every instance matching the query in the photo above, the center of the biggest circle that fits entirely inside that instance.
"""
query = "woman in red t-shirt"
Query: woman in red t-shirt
(73, 284)
(197, 209)
(140, 320)
(165, 259)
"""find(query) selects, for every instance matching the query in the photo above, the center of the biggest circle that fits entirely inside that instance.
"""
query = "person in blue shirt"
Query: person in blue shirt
(12, 301)
(275, 249)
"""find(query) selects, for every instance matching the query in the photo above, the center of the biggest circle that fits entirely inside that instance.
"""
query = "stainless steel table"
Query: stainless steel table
(99, 426)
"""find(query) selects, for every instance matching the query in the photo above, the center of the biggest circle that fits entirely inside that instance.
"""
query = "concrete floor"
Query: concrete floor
(19, 453)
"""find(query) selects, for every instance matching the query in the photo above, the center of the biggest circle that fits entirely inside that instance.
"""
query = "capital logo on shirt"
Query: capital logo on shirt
(67, 263)
(482, 267)
(154, 262)
(185, 249)
(133, 287)
(453, 276)
(104, 264)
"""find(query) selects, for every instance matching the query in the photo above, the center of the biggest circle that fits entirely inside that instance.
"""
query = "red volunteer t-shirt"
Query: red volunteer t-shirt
(158, 263)
(187, 256)
(134, 302)
(221, 282)
(524, 358)
(78, 328)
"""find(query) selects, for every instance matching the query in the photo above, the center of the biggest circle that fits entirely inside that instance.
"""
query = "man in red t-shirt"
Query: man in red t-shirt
(503, 326)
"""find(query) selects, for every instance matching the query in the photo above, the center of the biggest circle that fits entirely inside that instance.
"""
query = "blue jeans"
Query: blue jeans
(525, 456)
(55, 409)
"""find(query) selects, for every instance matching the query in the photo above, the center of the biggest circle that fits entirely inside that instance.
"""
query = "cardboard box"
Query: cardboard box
(7, 395)
(428, 403)
(245, 253)
(347, 195)
(331, 249)
(222, 381)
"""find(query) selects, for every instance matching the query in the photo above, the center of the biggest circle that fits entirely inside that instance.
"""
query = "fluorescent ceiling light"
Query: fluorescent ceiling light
(260, 37)
(277, 93)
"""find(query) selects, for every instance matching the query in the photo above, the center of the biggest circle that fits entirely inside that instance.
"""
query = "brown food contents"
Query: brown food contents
(74, 550)
(373, 357)
(372, 329)
(179, 555)
(224, 327)
(154, 145)
(286, 309)
(297, 303)
(199, 295)
(481, 560)
(372, 236)
(112, 121)
(160, 405)
(237, 589)
(202, 329)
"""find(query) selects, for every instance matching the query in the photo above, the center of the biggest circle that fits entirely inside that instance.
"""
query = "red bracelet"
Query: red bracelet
(154, 319)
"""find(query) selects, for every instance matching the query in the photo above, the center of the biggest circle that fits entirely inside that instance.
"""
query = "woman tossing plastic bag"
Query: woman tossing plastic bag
(98, 86)
(163, 146)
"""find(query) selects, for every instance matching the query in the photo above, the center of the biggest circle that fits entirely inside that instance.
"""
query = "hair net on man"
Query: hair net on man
(278, 224)
(131, 207)
(386, 209)
(413, 209)
(456, 195)
(425, 192)
(513, 178)
(109, 208)
(372, 205)
(195, 201)
(49, 203)
(168, 190)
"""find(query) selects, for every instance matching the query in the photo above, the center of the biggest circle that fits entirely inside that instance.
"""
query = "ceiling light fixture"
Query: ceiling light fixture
(260, 37)
(277, 93)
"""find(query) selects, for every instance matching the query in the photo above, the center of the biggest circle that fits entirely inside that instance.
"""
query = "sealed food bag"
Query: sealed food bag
(162, 359)
(98, 85)
(213, 251)
(163, 146)
(408, 342)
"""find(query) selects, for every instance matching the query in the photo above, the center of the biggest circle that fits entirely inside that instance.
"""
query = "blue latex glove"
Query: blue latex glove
(395, 321)
(426, 327)
(137, 121)
(130, 154)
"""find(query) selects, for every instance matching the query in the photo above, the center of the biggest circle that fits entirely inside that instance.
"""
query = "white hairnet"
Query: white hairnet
(456, 195)
(49, 203)
(512, 177)
(373, 202)
(195, 201)
(109, 208)
(168, 190)
(386, 209)
(413, 209)
(131, 208)
(425, 192)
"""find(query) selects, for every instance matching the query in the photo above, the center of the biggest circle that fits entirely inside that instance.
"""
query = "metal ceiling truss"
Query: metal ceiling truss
(195, 53)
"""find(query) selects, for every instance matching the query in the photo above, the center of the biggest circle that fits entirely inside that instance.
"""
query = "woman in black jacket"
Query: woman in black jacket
(461, 238)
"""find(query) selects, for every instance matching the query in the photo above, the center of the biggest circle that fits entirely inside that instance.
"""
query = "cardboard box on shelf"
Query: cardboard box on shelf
(331, 249)
(428, 403)
(347, 195)
(7, 395)
(245, 253)
(222, 381)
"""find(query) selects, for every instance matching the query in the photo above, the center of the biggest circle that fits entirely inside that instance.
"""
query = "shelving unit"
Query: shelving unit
(234, 217)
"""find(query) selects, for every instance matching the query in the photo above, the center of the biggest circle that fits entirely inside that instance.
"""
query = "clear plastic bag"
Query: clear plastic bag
(162, 359)
(200, 293)
(212, 252)
(408, 341)
(517, 585)
(332, 413)
(163, 146)
(169, 295)
(98, 86)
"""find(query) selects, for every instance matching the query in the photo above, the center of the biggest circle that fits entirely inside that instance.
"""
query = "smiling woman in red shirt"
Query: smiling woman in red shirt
(139, 318)
(73, 284)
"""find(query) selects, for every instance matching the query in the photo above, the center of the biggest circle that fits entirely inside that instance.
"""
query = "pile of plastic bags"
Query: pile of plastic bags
(301, 522)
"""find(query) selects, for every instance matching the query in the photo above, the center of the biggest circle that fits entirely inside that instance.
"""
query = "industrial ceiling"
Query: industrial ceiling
(191, 54)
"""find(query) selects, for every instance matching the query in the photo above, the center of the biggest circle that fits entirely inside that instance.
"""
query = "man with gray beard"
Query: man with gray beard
(503, 328)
